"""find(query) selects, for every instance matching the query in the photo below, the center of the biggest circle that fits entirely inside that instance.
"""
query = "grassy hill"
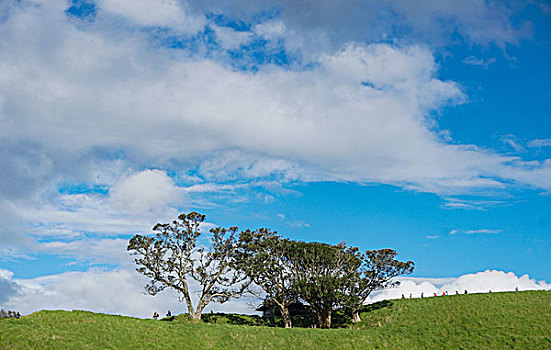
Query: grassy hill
(479, 321)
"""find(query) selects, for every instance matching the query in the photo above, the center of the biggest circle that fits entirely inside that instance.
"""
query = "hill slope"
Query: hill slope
(496, 321)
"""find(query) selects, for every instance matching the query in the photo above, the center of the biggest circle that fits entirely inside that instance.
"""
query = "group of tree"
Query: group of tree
(228, 264)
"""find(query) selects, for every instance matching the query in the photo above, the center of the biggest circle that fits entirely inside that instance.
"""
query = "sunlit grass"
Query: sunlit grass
(481, 321)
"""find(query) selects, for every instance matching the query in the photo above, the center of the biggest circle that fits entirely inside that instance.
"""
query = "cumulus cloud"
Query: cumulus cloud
(480, 282)
(8, 287)
(149, 191)
(63, 226)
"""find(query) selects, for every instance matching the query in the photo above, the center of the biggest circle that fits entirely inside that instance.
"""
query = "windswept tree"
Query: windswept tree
(375, 271)
(173, 258)
(264, 257)
(321, 275)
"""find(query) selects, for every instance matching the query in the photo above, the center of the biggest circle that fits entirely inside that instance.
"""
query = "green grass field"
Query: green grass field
(479, 321)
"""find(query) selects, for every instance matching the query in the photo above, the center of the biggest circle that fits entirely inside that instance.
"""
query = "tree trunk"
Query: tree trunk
(320, 319)
(195, 316)
(286, 317)
(356, 316)
(324, 318)
(192, 313)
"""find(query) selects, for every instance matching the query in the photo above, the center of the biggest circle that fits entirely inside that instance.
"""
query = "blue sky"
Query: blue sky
(425, 128)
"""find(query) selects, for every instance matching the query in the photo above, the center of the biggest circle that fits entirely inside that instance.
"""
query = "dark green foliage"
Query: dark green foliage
(287, 270)
(375, 271)
(264, 257)
(321, 275)
(325, 276)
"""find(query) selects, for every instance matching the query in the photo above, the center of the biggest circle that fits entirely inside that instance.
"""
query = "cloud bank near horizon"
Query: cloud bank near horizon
(93, 290)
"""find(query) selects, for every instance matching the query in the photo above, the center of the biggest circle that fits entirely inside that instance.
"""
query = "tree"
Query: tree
(376, 270)
(321, 275)
(264, 257)
(172, 258)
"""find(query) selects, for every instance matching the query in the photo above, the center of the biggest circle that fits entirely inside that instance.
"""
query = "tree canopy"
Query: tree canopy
(265, 257)
(173, 258)
(321, 275)
(376, 270)
(324, 276)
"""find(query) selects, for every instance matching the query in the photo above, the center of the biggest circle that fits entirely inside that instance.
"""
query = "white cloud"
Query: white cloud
(160, 13)
(481, 282)
(146, 192)
(299, 223)
(230, 38)
(432, 237)
(441, 22)
(478, 231)
(540, 143)
(474, 61)
(8, 288)
(135, 202)
(80, 213)
(458, 203)
(96, 251)
(211, 187)
(513, 143)
(382, 65)
(478, 21)
(271, 29)
(483, 231)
